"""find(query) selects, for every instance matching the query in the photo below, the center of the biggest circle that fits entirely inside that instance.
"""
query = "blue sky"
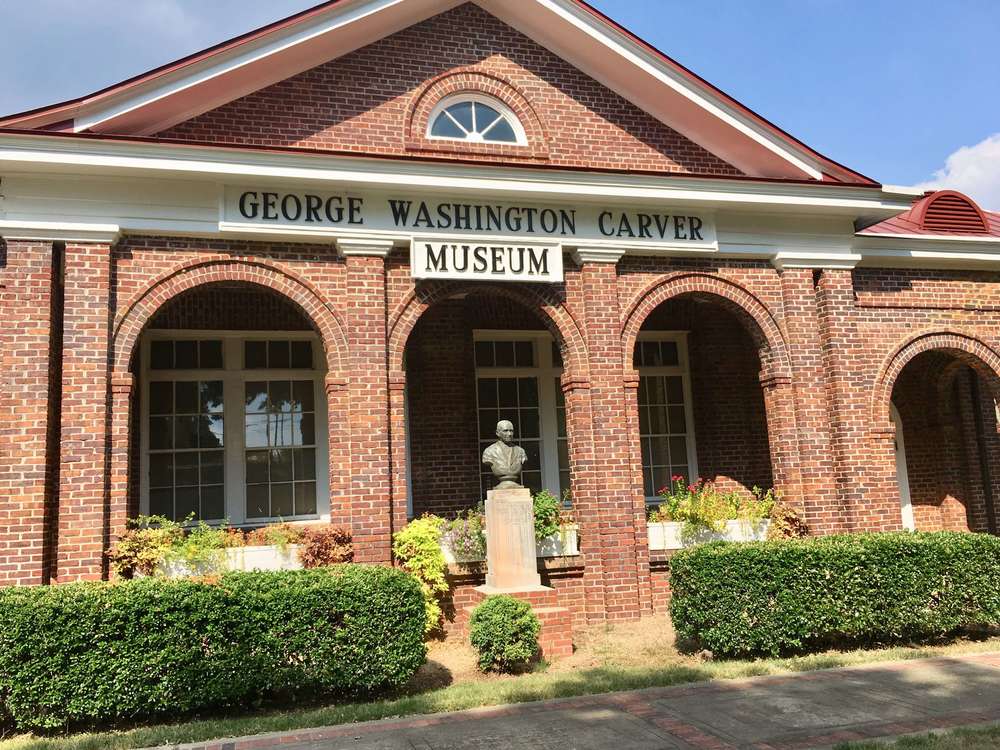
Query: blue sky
(905, 92)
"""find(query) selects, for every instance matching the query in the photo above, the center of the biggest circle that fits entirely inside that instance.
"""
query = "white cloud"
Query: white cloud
(973, 170)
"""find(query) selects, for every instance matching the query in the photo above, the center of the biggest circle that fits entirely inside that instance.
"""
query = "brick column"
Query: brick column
(29, 398)
(782, 438)
(368, 392)
(812, 411)
(398, 437)
(122, 390)
(84, 479)
(859, 480)
(617, 499)
(339, 454)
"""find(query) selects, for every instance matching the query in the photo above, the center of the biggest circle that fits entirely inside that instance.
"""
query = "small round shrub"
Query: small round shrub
(504, 631)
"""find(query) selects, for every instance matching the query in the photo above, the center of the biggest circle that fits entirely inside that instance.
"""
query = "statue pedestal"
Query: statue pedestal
(511, 560)
(512, 568)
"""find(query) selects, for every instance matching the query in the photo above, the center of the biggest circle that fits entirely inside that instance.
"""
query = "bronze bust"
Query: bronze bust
(505, 458)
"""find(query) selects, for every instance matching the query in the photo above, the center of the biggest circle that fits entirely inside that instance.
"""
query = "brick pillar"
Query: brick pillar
(782, 438)
(339, 441)
(84, 479)
(811, 414)
(29, 431)
(586, 479)
(618, 500)
(122, 390)
(866, 487)
(368, 391)
(398, 436)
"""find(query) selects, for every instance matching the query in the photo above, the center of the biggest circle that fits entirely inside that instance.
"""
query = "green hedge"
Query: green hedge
(87, 654)
(796, 595)
(504, 631)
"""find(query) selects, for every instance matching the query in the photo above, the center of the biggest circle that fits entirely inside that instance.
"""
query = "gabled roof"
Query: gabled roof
(151, 102)
(939, 214)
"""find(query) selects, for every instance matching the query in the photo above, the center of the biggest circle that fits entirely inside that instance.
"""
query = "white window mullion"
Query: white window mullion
(549, 425)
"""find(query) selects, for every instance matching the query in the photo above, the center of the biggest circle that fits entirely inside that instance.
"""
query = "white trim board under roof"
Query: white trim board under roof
(571, 29)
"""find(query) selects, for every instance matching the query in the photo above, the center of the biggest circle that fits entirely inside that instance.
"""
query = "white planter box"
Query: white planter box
(669, 534)
(268, 557)
(561, 544)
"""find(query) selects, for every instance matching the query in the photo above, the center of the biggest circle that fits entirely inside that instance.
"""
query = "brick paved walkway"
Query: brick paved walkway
(809, 710)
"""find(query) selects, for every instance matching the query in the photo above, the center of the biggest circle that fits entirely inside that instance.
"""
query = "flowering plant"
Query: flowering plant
(466, 535)
(703, 506)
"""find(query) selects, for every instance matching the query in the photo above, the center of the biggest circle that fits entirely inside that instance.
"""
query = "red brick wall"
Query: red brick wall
(230, 307)
(362, 101)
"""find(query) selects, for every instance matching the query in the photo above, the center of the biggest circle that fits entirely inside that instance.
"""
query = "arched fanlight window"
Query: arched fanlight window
(475, 119)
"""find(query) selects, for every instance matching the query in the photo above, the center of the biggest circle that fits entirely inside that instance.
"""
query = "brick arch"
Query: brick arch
(140, 310)
(553, 312)
(756, 318)
(966, 348)
(474, 81)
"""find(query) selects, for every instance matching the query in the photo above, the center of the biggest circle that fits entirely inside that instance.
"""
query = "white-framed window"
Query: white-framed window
(666, 414)
(233, 426)
(518, 379)
(475, 119)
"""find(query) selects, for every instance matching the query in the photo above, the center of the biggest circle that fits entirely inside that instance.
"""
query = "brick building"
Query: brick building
(302, 274)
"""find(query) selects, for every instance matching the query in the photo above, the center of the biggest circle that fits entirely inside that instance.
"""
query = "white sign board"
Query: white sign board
(451, 258)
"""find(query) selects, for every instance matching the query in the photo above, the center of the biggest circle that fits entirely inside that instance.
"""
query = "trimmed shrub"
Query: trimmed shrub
(417, 546)
(325, 545)
(802, 594)
(504, 631)
(87, 654)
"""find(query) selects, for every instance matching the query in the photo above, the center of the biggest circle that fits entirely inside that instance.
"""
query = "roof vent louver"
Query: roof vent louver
(950, 212)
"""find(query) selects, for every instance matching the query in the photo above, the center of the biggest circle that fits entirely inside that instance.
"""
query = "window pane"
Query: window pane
(256, 397)
(507, 393)
(675, 390)
(186, 469)
(256, 463)
(281, 466)
(211, 397)
(528, 391)
(445, 128)
(504, 353)
(657, 420)
(161, 398)
(255, 355)
(210, 433)
(281, 395)
(277, 354)
(463, 113)
(281, 500)
(488, 419)
(186, 394)
(557, 360)
(678, 451)
(656, 391)
(306, 430)
(302, 357)
(161, 470)
(257, 501)
(186, 432)
(524, 354)
(256, 431)
(533, 449)
(161, 503)
(213, 503)
(185, 502)
(210, 355)
(529, 423)
(484, 354)
(678, 420)
(671, 357)
(305, 463)
(487, 388)
(186, 355)
(502, 132)
(303, 393)
(160, 433)
(485, 115)
(532, 480)
(161, 355)
(659, 453)
(279, 428)
(305, 498)
(212, 467)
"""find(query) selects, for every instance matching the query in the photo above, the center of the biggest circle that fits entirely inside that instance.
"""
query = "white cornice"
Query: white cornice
(375, 246)
(32, 154)
(793, 259)
(583, 255)
(59, 231)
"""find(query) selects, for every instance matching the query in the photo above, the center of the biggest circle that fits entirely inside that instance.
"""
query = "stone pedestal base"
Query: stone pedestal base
(512, 564)
(555, 639)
